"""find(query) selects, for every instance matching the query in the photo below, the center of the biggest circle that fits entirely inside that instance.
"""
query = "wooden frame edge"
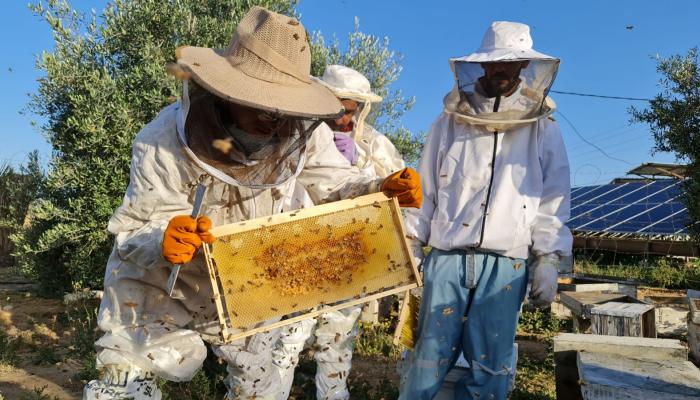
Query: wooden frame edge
(217, 295)
(398, 217)
(289, 216)
(314, 313)
(401, 320)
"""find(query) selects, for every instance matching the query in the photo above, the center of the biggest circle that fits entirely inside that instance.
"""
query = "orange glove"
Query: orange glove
(405, 185)
(184, 236)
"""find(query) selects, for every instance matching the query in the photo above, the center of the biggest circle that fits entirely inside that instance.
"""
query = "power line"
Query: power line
(590, 143)
(599, 96)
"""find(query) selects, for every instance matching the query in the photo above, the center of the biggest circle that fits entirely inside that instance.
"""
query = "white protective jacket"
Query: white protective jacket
(376, 155)
(529, 194)
(135, 306)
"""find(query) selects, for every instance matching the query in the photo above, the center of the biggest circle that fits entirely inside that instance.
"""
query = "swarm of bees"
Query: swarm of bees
(296, 270)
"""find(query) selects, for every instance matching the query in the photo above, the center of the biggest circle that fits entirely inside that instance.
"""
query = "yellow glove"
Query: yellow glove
(404, 185)
(184, 236)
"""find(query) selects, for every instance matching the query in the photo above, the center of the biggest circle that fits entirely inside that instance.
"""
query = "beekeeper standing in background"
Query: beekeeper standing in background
(496, 186)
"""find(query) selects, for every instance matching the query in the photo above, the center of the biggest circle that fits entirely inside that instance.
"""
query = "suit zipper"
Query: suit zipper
(493, 168)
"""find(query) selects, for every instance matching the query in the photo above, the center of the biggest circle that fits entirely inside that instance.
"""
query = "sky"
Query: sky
(605, 47)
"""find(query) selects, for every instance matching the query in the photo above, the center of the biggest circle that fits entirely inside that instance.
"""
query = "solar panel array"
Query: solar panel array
(648, 208)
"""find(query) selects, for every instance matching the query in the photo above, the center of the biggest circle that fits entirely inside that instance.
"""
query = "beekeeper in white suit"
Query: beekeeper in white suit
(376, 157)
(242, 129)
(496, 182)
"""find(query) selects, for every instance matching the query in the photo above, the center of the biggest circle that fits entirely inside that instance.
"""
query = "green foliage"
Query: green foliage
(8, 349)
(46, 355)
(674, 118)
(81, 317)
(207, 384)
(371, 56)
(534, 379)
(539, 322)
(104, 80)
(38, 394)
(18, 188)
(663, 272)
(376, 340)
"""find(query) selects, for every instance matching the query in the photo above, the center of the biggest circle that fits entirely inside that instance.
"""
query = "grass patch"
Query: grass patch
(38, 394)
(663, 272)
(9, 347)
(81, 319)
(376, 340)
(534, 379)
(207, 383)
(46, 355)
(539, 322)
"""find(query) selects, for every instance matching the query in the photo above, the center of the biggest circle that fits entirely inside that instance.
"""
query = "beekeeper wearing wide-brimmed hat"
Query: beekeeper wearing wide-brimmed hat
(360, 145)
(496, 186)
(242, 129)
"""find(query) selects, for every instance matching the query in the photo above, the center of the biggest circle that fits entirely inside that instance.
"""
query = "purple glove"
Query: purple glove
(346, 146)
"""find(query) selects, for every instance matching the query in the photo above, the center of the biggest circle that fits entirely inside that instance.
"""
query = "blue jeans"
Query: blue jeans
(470, 303)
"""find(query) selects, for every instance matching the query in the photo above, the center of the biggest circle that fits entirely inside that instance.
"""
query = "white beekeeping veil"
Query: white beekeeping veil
(347, 83)
(504, 42)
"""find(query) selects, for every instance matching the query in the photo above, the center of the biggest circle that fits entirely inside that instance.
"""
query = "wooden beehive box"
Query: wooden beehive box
(568, 345)
(585, 283)
(611, 377)
(623, 319)
(581, 304)
(323, 258)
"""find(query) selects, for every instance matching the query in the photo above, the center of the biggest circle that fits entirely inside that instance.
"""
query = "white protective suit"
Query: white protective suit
(335, 331)
(495, 180)
(147, 332)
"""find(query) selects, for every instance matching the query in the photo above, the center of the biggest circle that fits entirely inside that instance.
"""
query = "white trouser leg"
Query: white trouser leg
(251, 374)
(335, 334)
(285, 354)
(130, 358)
(122, 382)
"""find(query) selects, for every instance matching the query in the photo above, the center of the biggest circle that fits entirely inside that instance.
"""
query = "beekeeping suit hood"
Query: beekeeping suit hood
(503, 42)
(346, 83)
(377, 156)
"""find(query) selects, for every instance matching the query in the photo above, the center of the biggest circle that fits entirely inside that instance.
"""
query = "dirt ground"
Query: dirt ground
(44, 359)
(42, 353)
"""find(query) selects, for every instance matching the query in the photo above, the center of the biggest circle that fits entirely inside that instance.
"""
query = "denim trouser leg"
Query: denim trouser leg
(477, 316)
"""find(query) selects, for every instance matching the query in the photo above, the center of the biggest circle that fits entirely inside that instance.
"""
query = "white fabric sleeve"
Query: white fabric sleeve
(384, 155)
(328, 175)
(418, 220)
(549, 232)
(152, 198)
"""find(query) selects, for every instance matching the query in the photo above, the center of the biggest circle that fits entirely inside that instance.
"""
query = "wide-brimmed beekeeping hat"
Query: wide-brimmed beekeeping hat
(266, 66)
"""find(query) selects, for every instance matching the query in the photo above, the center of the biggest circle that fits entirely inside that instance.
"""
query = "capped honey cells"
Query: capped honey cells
(306, 259)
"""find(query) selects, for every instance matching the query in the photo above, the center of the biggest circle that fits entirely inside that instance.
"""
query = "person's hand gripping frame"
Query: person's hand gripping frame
(184, 236)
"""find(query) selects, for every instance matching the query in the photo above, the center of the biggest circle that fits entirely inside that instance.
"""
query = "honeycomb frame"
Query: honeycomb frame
(249, 295)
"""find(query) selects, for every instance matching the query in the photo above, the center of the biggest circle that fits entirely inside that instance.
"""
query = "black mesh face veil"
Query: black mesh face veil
(263, 159)
(524, 99)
